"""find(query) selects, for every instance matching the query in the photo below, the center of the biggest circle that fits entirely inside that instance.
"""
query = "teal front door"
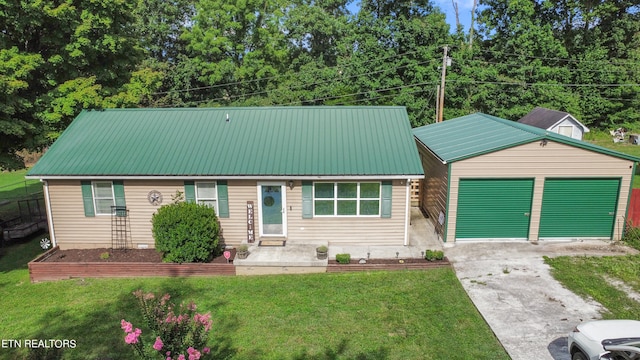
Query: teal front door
(272, 210)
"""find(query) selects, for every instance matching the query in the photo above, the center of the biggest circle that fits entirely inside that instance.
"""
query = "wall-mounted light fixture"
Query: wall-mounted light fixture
(543, 142)
(291, 184)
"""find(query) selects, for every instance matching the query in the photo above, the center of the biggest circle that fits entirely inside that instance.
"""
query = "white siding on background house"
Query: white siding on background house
(533, 160)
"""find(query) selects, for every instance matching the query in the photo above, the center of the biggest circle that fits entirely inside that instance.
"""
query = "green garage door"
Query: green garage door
(573, 208)
(494, 209)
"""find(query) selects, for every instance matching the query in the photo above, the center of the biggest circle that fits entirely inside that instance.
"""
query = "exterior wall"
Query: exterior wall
(433, 189)
(577, 129)
(539, 162)
(348, 230)
(73, 230)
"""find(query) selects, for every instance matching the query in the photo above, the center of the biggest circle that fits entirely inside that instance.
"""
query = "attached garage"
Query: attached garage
(491, 179)
(579, 208)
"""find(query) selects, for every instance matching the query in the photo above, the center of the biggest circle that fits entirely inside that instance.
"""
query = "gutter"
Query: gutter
(226, 177)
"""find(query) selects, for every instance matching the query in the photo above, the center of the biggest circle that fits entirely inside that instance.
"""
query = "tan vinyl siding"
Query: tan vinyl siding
(433, 189)
(347, 230)
(74, 230)
(140, 211)
(234, 228)
(533, 160)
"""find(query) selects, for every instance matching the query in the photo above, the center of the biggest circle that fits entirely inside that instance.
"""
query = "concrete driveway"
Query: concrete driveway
(529, 311)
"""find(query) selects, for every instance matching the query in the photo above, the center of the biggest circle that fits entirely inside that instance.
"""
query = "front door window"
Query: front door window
(272, 209)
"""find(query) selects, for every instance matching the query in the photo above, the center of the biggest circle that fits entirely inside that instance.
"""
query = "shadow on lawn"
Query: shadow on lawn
(17, 254)
(340, 351)
(98, 334)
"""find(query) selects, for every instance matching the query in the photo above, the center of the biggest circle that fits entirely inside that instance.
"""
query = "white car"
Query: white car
(587, 340)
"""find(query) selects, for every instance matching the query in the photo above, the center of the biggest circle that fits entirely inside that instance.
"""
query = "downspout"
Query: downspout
(407, 214)
(47, 200)
(626, 211)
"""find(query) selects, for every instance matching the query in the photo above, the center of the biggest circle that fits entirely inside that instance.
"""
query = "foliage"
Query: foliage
(179, 332)
(186, 232)
(632, 236)
(58, 57)
(322, 248)
(243, 248)
(343, 258)
(433, 255)
(105, 255)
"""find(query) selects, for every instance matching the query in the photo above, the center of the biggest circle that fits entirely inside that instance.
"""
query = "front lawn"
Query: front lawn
(369, 315)
(608, 280)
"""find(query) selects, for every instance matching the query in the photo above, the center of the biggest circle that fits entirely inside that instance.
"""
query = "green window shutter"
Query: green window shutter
(307, 200)
(87, 198)
(223, 199)
(118, 192)
(189, 191)
(387, 191)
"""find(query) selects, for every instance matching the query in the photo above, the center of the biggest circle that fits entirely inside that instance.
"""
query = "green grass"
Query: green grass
(368, 315)
(595, 277)
(13, 186)
(604, 139)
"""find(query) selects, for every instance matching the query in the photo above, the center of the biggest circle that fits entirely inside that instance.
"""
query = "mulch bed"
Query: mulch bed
(129, 255)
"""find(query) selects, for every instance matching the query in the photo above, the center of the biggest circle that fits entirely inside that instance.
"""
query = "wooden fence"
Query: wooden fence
(415, 192)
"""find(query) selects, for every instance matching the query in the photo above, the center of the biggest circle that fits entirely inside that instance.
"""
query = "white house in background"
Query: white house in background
(555, 121)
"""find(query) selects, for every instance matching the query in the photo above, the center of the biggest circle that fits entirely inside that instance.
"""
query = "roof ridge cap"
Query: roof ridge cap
(520, 126)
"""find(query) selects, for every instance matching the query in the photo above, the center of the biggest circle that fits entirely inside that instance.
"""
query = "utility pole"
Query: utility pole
(444, 74)
(437, 102)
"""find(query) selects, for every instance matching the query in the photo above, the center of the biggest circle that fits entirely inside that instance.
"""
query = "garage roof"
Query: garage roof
(478, 134)
(272, 142)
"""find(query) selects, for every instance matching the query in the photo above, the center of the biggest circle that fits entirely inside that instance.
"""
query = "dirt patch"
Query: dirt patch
(111, 255)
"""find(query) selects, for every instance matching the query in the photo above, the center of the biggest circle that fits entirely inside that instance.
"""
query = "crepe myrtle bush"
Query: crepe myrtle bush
(186, 232)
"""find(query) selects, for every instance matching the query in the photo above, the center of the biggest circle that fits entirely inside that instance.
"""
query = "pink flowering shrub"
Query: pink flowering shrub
(179, 331)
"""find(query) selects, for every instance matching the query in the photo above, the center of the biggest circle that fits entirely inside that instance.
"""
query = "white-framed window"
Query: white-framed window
(346, 199)
(565, 130)
(103, 197)
(207, 193)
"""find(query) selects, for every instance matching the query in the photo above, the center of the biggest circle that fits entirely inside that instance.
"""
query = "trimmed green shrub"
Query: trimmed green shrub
(343, 258)
(433, 255)
(429, 255)
(186, 232)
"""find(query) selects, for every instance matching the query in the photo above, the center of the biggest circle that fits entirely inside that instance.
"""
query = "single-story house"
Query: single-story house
(555, 121)
(489, 178)
(337, 175)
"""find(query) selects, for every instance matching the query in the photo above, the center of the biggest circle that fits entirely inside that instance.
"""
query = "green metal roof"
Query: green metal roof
(478, 134)
(254, 141)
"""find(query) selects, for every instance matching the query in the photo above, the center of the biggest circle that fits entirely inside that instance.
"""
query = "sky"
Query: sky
(464, 10)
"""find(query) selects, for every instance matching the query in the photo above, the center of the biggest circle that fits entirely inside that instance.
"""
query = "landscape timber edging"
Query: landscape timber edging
(40, 270)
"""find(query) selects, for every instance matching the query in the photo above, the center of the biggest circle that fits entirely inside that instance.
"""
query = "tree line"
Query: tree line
(60, 56)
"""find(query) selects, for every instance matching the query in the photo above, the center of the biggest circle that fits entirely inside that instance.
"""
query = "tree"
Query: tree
(16, 70)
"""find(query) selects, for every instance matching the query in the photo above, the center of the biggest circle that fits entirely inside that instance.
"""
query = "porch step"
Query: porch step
(290, 255)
